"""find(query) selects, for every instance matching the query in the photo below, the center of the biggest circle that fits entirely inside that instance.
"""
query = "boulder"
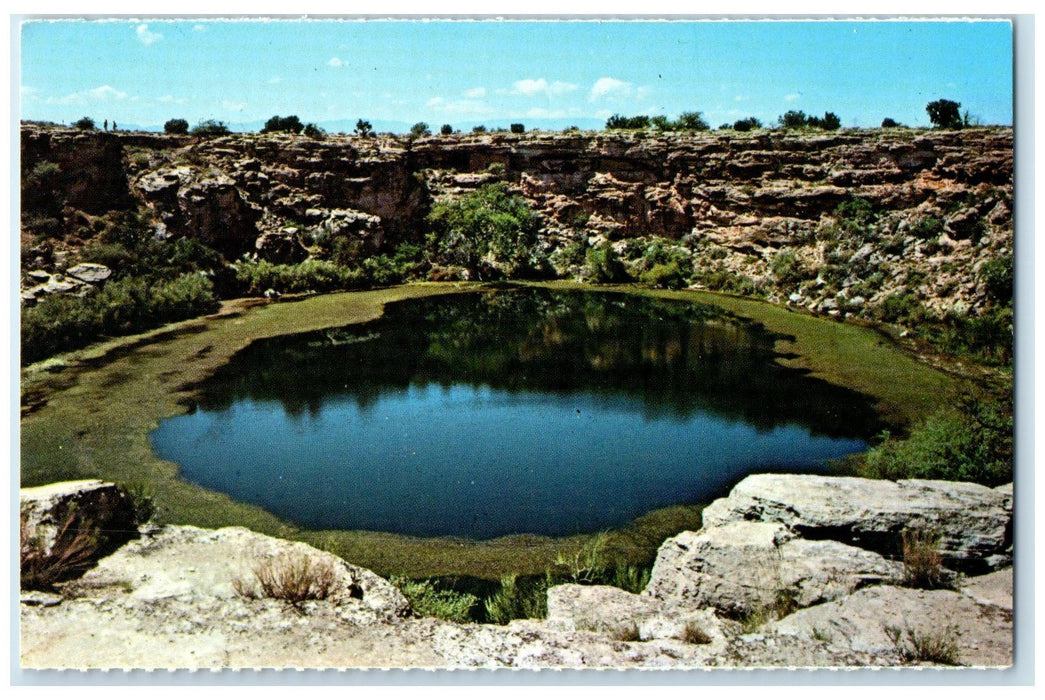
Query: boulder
(280, 247)
(54, 516)
(742, 568)
(903, 625)
(974, 522)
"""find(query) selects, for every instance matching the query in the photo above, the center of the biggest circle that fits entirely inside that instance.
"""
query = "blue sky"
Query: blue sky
(553, 73)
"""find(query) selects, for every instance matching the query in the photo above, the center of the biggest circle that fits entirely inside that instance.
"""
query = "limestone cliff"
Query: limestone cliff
(752, 212)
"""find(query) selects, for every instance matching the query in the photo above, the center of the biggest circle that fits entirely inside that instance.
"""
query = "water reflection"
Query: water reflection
(512, 411)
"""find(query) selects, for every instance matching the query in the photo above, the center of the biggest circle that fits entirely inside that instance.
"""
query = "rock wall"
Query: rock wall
(733, 202)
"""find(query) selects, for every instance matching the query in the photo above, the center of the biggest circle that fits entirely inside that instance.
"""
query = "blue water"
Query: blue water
(455, 457)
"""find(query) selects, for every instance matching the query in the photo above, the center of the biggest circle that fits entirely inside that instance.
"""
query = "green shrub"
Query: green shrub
(606, 265)
(787, 268)
(256, 277)
(60, 323)
(618, 121)
(420, 129)
(445, 604)
(927, 229)
(85, 123)
(313, 132)
(446, 129)
(945, 114)
(972, 442)
(898, 306)
(517, 128)
(210, 128)
(997, 278)
(489, 232)
(747, 124)
(276, 123)
(176, 126)
(516, 599)
(665, 276)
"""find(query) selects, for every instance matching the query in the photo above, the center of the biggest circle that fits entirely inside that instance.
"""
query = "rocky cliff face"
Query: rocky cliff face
(762, 208)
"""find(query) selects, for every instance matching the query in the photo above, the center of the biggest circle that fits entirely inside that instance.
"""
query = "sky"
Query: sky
(552, 73)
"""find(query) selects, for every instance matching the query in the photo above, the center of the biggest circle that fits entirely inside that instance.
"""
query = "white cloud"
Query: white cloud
(791, 97)
(145, 36)
(105, 93)
(233, 106)
(458, 106)
(28, 93)
(609, 87)
(335, 62)
(198, 28)
(530, 87)
(171, 99)
(274, 80)
(475, 93)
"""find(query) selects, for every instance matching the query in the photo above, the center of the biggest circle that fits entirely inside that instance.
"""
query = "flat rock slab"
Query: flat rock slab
(744, 567)
(90, 272)
(894, 623)
(974, 522)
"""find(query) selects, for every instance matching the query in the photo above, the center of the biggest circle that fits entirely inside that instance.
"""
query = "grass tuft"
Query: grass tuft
(922, 563)
(292, 577)
(935, 646)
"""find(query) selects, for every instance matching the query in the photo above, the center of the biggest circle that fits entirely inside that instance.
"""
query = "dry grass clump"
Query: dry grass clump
(935, 646)
(922, 563)
(292, 577)
(693, 633)
(72, 552)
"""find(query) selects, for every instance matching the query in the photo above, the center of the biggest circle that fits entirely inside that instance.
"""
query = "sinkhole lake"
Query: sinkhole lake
(518, 411)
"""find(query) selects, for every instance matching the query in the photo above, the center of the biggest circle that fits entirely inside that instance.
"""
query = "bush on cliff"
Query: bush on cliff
(605, 264)
(176, 126)
(489, 232)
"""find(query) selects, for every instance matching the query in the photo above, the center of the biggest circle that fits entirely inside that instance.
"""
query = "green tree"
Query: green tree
(691, 121)
(794, 119)
(661, 123)
(176, 126)
(889, 123)
(618, 121)
(289, 124)
(517, 128)
(490, 232)
(945, 114)
(831, 122)
(479, 129)
(420, 129)
(747, 124)
(210, 127)
(85, 123)
(446, 130)
(364, 128)
(313, 132)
